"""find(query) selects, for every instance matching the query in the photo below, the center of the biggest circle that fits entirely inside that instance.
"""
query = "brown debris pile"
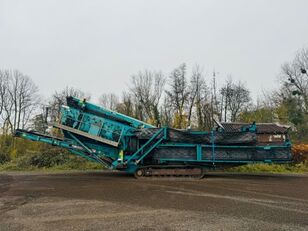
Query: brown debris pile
(300, 152)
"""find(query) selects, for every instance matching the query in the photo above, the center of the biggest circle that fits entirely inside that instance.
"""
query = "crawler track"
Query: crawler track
(147, 172)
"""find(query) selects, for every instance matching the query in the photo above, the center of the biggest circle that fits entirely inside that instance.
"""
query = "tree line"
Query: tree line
(18, 100)
(181, 99)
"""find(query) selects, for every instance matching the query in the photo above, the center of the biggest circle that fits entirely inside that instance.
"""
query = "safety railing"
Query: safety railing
(146, 148)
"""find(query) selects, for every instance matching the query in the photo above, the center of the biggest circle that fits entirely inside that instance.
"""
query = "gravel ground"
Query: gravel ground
(115, 201)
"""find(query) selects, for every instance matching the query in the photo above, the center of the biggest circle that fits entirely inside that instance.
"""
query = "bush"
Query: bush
(4, 158)
(48, 159)
(20, 154)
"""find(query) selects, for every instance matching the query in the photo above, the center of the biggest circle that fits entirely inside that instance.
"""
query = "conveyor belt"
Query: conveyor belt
(38, 134)
(221, 138)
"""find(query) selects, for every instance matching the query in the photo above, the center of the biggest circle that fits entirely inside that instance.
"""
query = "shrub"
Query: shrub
(4, 158)
(48, 159)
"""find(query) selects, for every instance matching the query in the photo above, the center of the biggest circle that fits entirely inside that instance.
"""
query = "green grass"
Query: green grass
(73, 163)
(272, 168)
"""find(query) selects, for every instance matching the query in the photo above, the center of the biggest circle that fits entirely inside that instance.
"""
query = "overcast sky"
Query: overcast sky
(97, 45)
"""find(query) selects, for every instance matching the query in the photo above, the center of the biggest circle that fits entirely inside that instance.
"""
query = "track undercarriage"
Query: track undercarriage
(156, 171)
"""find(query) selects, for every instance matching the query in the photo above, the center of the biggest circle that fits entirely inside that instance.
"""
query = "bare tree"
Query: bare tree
(19, 100)
(3, 89)
(126, 106)
(239, 101)
(147, 87)
(237, 98)
(295, 78)
(109, 101)
(205, 108)
(178, 94)
(225, 92)
(215, 112)
(7, 112)
(197, 83)
(38, 122)
(166, 113)
(59, 98)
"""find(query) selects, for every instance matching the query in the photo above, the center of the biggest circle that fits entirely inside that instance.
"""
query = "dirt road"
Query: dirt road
(115, 201)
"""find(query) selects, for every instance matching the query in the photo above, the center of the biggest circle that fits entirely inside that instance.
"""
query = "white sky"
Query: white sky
(96, 45)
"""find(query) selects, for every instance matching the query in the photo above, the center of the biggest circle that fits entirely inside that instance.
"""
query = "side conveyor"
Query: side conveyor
(63, 143)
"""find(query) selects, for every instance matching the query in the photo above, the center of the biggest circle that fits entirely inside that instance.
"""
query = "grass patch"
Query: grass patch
(272, 168)
(13, 166)
(49, 163)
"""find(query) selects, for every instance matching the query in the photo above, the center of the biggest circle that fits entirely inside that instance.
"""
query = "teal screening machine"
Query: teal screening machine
(123, 143)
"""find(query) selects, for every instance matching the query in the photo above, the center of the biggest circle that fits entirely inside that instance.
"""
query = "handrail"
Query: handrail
(146, 144)
(148, 151)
